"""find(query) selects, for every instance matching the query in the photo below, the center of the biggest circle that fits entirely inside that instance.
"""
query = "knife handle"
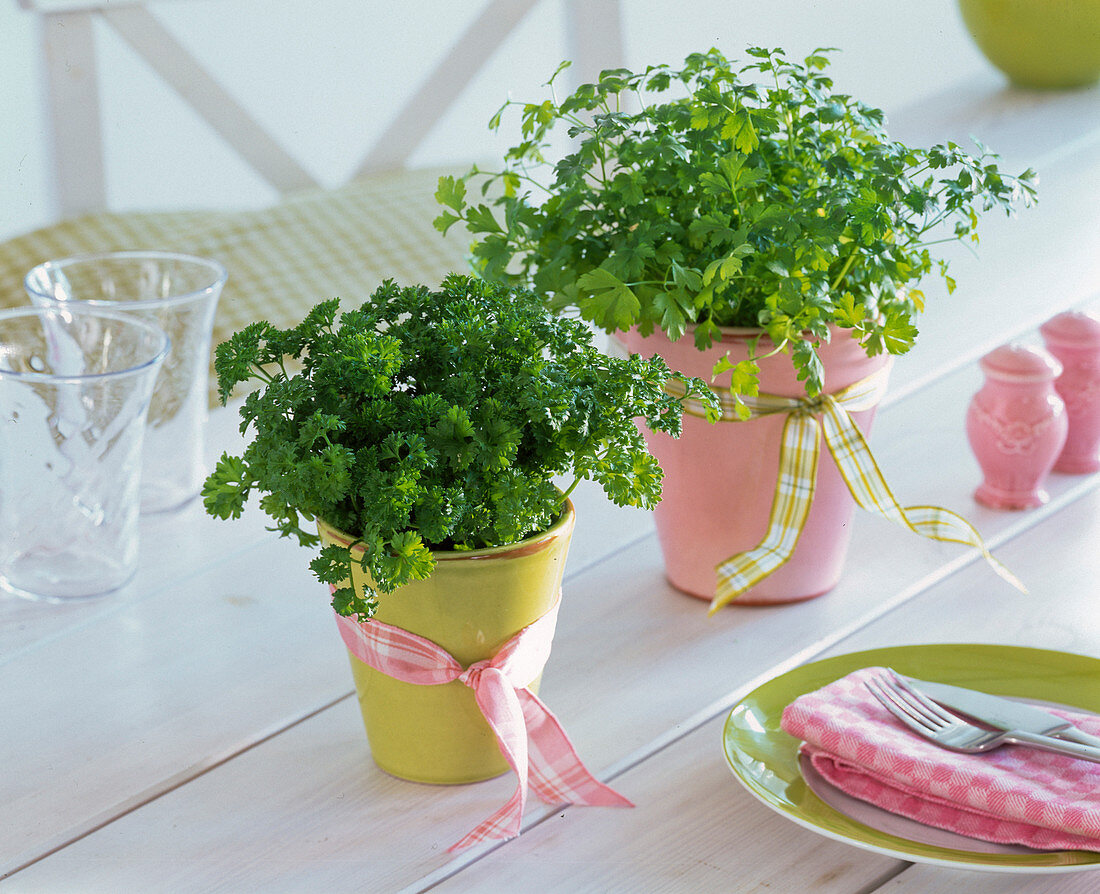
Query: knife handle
(1050, 743)
(1073, 734)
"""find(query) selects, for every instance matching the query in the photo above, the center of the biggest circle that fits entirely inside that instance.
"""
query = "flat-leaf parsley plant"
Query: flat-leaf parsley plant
(727, 194)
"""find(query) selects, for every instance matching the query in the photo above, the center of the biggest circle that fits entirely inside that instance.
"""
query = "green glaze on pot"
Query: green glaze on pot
(471, 604)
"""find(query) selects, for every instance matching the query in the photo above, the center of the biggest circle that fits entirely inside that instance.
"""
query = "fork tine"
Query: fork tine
(913, 706)
(936, 710)
(893, 702)
(926, 718)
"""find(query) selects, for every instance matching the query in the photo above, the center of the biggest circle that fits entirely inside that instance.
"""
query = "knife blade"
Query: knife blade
(1003, 713)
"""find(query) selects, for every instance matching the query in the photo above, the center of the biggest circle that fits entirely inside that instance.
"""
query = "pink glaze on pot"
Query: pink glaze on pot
(1073, 338)
(720, 478)
(1016, 425)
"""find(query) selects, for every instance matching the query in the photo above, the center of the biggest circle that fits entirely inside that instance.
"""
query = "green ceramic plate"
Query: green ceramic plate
(765, 759)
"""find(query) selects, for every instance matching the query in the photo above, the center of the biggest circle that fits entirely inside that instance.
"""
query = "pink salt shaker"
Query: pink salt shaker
(1016, 425)
(1073, 338)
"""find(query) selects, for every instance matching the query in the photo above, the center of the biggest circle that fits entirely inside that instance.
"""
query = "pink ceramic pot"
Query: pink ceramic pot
(720, 478)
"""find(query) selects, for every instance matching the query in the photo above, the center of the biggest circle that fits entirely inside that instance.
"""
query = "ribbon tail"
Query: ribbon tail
(501, 706)
(868, 487)
(942, 524)
(557, 774)
(794, 493)
(502, 825)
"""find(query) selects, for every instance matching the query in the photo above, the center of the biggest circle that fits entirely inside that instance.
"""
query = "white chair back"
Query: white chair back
(593, 41)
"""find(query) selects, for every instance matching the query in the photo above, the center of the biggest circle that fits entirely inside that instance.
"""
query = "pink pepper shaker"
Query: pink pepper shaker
(1073, 338)
(1016, 425)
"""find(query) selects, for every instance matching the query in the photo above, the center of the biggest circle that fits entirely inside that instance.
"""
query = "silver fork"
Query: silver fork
(934, 722)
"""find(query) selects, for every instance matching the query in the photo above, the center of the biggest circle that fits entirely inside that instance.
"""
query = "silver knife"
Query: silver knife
(1003, 713)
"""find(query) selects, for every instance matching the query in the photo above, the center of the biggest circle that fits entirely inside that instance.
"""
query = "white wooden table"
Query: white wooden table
(197, 732)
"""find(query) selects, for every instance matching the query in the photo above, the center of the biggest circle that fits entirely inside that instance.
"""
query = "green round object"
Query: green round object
(1047, 44)
(765, 760)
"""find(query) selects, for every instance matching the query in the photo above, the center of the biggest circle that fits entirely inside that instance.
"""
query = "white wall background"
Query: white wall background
(326, 76)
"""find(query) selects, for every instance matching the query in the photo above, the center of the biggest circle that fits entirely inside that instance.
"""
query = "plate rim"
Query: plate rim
(979, 655)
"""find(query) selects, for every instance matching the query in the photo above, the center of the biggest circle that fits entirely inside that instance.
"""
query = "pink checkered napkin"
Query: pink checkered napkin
(1012, 795)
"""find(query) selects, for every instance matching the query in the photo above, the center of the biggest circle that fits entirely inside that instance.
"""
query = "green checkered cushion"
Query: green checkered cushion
(282, 259)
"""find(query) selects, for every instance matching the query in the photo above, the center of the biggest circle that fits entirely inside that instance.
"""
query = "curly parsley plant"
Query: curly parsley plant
(434, 420)
(720, 194)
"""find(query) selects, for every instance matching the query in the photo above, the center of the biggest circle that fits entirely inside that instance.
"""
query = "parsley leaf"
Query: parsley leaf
(754, 194)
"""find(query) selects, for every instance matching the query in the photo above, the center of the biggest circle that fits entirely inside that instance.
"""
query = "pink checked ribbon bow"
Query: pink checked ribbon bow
(530, 736)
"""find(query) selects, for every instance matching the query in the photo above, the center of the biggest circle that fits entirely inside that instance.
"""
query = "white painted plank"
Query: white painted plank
(635, 665)
(183, 542)
(696, 825)
(160, 679)
(933, 880)
(97, 720)
(1059, 558)
(694, 829)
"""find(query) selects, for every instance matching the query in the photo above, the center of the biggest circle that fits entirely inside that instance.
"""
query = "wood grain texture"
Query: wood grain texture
(196, 733)
(694, 829)
(697, 829)
(934, 880)
(635, 666)
(164, 680)
(184, 542)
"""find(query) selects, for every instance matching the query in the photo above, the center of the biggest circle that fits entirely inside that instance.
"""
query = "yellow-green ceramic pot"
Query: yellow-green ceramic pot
(471, 604)
(1047, 44)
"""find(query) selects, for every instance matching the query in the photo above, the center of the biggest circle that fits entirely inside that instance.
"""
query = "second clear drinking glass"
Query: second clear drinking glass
(178, 293)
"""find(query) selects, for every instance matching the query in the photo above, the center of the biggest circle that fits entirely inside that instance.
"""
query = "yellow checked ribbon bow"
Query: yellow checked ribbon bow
(798, 474)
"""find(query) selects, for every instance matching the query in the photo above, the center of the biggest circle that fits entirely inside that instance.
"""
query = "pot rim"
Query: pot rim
(728, 333)
(530, 544)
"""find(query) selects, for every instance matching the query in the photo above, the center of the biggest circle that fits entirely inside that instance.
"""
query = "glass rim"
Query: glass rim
(125, 319)
(217, 270)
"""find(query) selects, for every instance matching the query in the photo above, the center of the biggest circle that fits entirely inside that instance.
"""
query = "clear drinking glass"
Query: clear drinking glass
(75, 386)
(179, 294)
